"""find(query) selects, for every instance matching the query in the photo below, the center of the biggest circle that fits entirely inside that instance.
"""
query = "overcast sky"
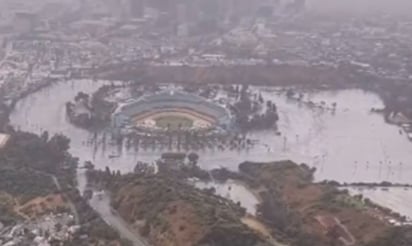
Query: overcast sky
(362, 6)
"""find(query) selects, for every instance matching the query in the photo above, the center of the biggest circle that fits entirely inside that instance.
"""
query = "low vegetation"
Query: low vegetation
(27, 164)
(169, 211)
(319, 214)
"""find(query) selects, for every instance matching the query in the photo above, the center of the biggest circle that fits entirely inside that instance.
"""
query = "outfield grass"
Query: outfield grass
(173, 122)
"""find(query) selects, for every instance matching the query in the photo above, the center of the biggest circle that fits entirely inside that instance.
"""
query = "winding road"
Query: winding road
(101, 204)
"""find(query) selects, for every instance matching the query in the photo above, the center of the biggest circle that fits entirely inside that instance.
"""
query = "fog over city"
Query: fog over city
(205, 122)
(351, 7)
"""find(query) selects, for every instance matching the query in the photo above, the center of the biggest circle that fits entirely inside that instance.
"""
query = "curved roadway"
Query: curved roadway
(101, 204)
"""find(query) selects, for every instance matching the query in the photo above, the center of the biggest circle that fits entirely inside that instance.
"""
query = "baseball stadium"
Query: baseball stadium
(171, 111)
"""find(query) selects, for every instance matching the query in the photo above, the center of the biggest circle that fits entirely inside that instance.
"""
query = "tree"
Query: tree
(107, 171)
(58, 227)
(193, 158)
(45, 136)
(290, 93)
(395, 236)
(88, 165)
(261, 100)
(82, 96)
(333, 235)
(59, 143)
(58, 146)
(141, 168)
(31, 151)
(125, 242)
(304, 239)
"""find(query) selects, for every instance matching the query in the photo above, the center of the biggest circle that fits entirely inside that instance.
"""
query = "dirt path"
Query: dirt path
(257, 226)
(59, 188)
(101, 204)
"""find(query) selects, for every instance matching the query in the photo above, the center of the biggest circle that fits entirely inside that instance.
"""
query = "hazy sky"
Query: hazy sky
(403, 7)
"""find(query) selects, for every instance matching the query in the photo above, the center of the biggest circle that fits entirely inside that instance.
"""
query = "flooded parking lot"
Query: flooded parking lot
(348, 144)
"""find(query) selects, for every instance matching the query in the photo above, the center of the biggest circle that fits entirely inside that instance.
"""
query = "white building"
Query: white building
(4, 138)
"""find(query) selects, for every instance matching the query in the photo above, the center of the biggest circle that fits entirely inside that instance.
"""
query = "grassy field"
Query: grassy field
(173, 122)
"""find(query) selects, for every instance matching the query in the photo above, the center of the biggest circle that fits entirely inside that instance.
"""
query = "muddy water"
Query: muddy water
(348, 145)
